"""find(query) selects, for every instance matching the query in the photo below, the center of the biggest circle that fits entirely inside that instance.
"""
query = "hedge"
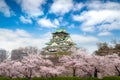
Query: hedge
(111, 78)
(58, 78)
(90, 78)
(64, 78)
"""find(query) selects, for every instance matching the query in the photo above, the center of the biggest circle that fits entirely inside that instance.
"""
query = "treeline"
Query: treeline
(29, 63)
(105, 49)
(78, 64)
(17, 54)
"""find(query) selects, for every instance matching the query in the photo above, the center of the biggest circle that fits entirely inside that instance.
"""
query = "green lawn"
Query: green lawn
(64, 78)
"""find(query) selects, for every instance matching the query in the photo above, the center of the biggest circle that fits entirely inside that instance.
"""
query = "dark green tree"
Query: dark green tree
(104, 49)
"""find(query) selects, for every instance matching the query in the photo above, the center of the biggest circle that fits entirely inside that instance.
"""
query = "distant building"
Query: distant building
(3, 55)
(60, 42)
(17, 54)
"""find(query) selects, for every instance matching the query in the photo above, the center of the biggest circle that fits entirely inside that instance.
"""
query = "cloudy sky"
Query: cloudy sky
(31, 22)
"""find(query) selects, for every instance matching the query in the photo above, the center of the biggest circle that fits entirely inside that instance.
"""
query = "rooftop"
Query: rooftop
(60, 30)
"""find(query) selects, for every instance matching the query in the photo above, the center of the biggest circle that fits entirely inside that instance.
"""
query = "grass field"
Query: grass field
(64, 78)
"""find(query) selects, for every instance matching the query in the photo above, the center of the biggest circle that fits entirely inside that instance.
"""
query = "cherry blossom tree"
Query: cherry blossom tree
(33, 65)
(105, 65)
(91, 65)
(77, 62)
(115, 63)
(80, 63)
(10, 69)
(30, 66)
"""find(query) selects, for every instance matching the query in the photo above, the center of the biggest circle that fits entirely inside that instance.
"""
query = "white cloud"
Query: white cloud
(77, 18)
(83, 39)
(105, 33)
(115, 25)
(32, 8)
(47, 23)
(98, 5)
(56, 22)
(94, 18)
(87, 42)
(78, 6)
(61, 6)
(10, 39)
(88, 28)
(4, 8)
(100, 16)
(25, 20)
(21, 32)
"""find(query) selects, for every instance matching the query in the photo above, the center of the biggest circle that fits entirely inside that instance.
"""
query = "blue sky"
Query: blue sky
(31, 22)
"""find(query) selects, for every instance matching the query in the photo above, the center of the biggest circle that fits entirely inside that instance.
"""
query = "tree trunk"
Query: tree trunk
(74, 72)
(95, 72)
(117, 70)
(29, 74)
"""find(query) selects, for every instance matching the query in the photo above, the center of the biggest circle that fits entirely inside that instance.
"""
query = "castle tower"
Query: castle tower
(60, 42)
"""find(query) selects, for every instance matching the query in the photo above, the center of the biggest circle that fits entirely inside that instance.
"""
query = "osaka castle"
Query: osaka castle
(60, 42)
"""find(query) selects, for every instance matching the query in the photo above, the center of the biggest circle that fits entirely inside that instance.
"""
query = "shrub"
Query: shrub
(4, 78)
(64, 78)
(90, 78)
(19, 79)
(39, 78)
(58, 78)
(112, 78)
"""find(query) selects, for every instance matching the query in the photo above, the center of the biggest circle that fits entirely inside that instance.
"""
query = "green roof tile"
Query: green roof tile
(60, 30)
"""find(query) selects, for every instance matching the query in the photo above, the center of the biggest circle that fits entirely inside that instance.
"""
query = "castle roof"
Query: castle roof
(60, 30)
